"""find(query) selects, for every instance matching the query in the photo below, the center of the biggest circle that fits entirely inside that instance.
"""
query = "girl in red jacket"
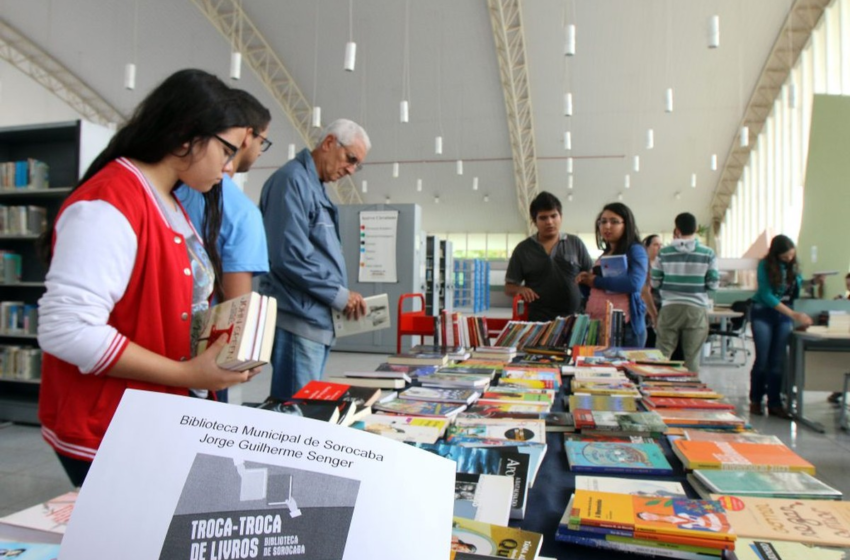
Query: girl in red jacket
(128, 274)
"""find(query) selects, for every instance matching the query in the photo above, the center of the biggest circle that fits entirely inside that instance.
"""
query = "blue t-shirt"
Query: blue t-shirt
(242, 240)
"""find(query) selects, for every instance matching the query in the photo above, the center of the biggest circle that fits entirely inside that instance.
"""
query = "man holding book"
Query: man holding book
(684, 272)
(543, 268)
(307, 268)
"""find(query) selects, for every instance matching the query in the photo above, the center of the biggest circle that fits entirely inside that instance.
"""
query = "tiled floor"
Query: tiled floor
(30, 473)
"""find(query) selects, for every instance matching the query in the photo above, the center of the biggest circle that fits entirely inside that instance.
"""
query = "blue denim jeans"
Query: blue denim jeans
(771, 330)
(295, 361)
(632, 340)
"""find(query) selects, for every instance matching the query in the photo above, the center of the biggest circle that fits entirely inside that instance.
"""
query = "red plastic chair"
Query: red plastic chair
(413, 323)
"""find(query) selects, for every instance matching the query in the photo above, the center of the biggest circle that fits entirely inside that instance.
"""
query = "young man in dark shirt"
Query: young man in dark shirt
(543, 268)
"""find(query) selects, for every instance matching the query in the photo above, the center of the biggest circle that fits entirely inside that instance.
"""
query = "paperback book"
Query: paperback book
(483, 497)
(494, 541)
(631, 486)
(434, 394)
(248, 323)
(377, 317)
(797, 485)
(45, 522)
(624, 458)
(28, 551)
(750, 549)
(602, 402)
(409, 429)
(419, 408)
(739, 456)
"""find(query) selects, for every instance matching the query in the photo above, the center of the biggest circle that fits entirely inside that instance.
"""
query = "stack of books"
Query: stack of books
(248, 322)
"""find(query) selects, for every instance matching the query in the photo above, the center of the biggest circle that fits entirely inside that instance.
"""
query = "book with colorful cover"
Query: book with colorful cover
(483, 497)
(739, 456)
(411, 429)
(505, 461)
(592, 374)
(597, 437)
(461, 396)
(542, 400)
(418, 359)
(523, 384)
(507, 410)
(604, 388)
(821, 522)
(508, 429)
(674, 402)
(492, 540)
(632, 486)
(464, 369)
(651, 371)
(449, 380)
(602, 402)
(796, 485)
(637, 423)
(680, 392)
(419, 408)
(752, 549)
(705, 521)
(605, 457)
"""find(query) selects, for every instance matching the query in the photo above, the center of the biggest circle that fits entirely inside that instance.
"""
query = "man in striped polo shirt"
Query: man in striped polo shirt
(684, 272)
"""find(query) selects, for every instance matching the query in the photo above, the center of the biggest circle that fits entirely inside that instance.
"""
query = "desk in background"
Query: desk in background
(802, 342)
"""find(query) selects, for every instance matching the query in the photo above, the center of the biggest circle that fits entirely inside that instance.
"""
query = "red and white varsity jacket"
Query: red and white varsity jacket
(119, 273)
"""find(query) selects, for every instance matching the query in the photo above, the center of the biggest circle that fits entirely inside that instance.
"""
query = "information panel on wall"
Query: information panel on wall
(378, 232)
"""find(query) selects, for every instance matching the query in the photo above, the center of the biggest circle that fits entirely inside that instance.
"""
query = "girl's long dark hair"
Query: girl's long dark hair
(630, 230)
(779, 245)
(186, 109)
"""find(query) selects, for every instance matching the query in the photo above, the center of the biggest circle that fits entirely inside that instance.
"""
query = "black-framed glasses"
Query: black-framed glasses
(230, 147)
(350, 158)
(265, 143)
(605, 222)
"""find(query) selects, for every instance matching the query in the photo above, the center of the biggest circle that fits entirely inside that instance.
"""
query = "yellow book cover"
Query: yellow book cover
(493, 540)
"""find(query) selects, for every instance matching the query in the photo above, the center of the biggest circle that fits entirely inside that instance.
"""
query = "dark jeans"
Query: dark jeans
(76, 469)
(771, 330)
(632, 340)
(295, 362)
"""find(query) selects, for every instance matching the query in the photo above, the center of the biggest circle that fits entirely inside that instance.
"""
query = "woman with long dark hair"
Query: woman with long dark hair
(129, 277)
(772, 318)
(617, 234)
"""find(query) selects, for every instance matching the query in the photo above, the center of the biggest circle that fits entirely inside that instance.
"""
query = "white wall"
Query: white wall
(25, 101)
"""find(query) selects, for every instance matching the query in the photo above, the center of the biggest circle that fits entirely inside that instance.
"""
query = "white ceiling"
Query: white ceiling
(628, 53)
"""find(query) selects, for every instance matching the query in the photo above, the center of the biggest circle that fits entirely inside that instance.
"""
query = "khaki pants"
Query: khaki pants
(686, 323)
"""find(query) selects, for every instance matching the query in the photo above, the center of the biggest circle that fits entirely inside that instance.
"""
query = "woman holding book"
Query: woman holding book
(128, 274)
(772, 318)
(617, 235)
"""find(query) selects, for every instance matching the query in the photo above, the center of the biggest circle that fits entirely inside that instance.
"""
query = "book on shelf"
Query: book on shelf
(302, 484)
(28, 551)
(632, 486)
(739, 456)
(45, 522)
(752, 549)
(377, 317)
(418, 359)
(505, 461)
(609, 457)
(792, 485)
(493, 541)
(248, 322)
(820, 522)
(483, 497)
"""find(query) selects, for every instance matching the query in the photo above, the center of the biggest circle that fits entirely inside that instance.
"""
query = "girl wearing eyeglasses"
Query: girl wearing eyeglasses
(128, 273)
(617, 234)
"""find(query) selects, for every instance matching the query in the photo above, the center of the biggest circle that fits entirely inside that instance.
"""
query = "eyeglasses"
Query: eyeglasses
(265, 143)
(350, 158)
(233, 150)
(605, 222)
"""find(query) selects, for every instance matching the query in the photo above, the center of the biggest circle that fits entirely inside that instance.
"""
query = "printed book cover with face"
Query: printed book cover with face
(259, 511)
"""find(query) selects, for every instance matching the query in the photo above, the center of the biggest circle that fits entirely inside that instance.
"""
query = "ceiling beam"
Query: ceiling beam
(506, 20)
(21, 53)
(790, 42)
(231, 21)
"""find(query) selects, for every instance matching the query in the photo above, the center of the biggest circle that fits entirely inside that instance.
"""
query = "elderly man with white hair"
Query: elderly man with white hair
(306, 264)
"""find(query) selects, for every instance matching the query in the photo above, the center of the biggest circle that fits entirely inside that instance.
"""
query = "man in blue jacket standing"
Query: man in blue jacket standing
(306, 264)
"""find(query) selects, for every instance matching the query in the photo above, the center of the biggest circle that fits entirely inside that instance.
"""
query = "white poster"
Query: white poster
(378, 230)
(179, 478)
